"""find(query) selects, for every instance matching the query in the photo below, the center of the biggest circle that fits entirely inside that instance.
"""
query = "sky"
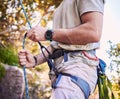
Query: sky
(111, 26)
(111, 31)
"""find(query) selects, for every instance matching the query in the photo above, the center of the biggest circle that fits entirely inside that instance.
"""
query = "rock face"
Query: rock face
(12, 85)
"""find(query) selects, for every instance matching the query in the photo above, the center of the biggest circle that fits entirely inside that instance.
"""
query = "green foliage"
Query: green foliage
(114, 50)
(8, 56)
(13, 22)
(11, 12)
(13, 25)
(2, 71)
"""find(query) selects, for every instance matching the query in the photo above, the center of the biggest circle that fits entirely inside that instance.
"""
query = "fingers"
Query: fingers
(26, 58)
(31, 34)
(37, 34)
(22, 63)
(22, 57)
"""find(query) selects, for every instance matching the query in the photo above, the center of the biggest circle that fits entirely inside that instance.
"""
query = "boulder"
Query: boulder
(12, 85)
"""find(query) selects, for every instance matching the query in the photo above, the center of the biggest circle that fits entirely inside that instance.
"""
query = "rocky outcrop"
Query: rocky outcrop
(12, 85)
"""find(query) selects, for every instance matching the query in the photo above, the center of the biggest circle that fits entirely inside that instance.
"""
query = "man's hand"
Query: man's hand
(26, 59)
(37, 33)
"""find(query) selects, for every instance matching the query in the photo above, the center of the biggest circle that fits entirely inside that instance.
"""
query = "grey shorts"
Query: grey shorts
(80, 66)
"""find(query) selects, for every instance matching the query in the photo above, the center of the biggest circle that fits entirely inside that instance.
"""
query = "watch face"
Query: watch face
(48, 35)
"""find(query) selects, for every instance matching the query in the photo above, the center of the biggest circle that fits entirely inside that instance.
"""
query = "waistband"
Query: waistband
(60, 52)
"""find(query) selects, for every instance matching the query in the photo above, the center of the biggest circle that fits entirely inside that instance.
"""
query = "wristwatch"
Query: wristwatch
(49, 35)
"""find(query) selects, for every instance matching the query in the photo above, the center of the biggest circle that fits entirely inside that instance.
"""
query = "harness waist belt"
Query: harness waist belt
(60, 52)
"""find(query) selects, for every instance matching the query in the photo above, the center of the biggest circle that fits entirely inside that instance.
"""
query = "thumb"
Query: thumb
(29, 56)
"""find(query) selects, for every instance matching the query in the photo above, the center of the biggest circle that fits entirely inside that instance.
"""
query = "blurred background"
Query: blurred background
(13, 26)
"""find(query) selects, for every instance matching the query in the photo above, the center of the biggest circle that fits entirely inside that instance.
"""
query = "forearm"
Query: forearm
(41, 58)
(79, 35)
(89, 31)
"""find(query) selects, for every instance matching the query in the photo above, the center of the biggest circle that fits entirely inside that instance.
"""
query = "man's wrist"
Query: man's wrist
(35, 59)
(49, 35)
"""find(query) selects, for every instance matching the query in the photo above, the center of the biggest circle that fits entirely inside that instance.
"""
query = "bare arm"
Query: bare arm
(40, 57)
(26, 58)
(89, 31)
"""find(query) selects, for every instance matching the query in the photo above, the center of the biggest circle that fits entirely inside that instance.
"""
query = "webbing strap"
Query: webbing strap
(54, 85)
(102, 66)
(65, 57)
(82, 84)
(52, 66)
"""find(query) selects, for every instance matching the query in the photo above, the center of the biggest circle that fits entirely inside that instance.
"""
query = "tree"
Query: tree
(12, 19)
(12, 27)
(114, 56)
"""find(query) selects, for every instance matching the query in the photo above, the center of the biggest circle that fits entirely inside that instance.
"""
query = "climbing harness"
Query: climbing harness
(104, 85)
(81, 83)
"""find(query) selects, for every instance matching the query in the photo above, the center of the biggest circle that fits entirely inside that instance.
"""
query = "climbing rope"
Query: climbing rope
(23, 46)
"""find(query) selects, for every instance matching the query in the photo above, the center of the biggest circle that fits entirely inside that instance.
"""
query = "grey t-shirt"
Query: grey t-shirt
(68, 14)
